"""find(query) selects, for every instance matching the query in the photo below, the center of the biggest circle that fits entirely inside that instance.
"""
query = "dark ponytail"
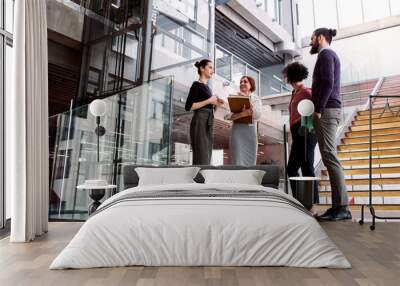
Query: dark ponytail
(201, 64)
(327, 33)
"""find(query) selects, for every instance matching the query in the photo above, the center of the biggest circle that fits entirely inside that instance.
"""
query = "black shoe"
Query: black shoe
(342, 213)
(327, 215)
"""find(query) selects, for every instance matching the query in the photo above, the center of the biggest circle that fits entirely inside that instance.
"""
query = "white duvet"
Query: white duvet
(204, 231)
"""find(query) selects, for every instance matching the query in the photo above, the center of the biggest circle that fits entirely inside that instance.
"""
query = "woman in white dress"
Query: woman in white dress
(244, 141)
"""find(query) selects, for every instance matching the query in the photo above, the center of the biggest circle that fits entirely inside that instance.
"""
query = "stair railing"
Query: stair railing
(374, 92)
(370, 203)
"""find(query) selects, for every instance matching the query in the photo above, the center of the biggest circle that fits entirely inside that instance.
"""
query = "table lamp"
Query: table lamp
(306, 109)
(98, 108)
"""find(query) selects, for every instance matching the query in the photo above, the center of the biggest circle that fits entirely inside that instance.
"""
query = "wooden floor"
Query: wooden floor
(375, 257)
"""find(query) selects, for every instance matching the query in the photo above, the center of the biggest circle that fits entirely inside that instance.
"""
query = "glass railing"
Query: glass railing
(354, 92)
(137, 131)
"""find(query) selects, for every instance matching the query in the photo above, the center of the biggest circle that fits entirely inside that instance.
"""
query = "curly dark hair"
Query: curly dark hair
(295, 72)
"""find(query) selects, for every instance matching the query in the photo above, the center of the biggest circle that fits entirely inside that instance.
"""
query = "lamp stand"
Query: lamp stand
(305, 141)
(98, 138)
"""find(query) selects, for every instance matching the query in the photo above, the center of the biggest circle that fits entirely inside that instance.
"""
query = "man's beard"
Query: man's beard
(314, 49)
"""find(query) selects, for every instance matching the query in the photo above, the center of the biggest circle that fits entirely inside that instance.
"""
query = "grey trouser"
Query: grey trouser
(326, 128)
(243, 144)
(201, 136)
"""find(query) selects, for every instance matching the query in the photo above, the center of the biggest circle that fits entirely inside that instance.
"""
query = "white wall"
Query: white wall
(365, 56)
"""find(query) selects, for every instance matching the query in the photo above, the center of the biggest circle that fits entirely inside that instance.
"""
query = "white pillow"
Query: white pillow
(166, 176)
(248, 177)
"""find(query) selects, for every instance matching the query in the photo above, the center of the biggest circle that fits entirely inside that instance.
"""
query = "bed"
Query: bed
(198, 224)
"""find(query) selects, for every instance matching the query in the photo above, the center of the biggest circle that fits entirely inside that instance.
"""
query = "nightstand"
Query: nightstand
(96, 193)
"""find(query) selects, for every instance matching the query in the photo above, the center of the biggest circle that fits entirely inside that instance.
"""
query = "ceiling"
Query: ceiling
(237, 41)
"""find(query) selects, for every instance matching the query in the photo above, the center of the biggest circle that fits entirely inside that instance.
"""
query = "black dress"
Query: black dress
(201, 127)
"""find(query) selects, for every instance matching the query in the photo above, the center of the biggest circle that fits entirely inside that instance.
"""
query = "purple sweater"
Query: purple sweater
(326, 81)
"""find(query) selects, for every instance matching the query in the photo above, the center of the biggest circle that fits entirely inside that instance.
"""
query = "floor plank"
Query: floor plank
(375, 257)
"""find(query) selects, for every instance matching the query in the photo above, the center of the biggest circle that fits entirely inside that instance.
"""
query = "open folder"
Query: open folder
(236, 103)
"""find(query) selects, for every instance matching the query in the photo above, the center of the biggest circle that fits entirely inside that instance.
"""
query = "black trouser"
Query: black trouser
(201, 136)
(298, 159)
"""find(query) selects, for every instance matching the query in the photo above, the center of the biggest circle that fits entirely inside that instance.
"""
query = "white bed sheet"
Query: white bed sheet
(200, 232)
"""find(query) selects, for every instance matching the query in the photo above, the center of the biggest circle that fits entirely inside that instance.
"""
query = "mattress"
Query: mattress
(201, 225)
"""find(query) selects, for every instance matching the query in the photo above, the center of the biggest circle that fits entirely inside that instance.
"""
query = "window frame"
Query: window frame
(6, 39)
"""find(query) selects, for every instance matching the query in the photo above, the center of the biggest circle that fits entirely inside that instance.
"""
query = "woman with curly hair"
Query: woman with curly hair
(294, 74)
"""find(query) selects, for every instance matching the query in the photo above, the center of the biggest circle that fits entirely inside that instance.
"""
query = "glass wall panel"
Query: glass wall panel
(186, 7)
(342, 13)
(175, 43)
(137, 124)
(350, 12)
(6, 66)
(272, 7)
(271, 81)
(395, 7)
(231, 68)
(203, 13)
(374, 10)
(223, 61)
(1, 14)
(9, 14)
(2, 110)
(238, 70)
(364, 55)
(9, 61)
(131, 58)
(326, 14)
(181, 39)
(306, 18)
(261, 4)
(254, 74)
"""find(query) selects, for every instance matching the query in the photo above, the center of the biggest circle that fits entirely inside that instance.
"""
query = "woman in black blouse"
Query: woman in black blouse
(202, 102)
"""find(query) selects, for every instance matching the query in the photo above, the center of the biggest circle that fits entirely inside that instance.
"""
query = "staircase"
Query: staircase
(354, 153)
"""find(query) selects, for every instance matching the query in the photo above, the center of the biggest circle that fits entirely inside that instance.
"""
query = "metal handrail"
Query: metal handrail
(370, 204)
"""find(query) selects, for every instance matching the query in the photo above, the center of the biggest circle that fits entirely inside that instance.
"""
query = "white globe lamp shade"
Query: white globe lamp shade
(97, 107)
(305, 107)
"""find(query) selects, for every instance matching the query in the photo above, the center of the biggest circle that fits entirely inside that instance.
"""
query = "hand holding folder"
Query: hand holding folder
(237, 104)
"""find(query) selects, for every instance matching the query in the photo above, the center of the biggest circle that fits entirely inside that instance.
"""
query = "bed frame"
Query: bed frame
(270, 179)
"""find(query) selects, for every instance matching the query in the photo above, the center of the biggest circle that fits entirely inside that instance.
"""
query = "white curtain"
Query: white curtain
(27, 124)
